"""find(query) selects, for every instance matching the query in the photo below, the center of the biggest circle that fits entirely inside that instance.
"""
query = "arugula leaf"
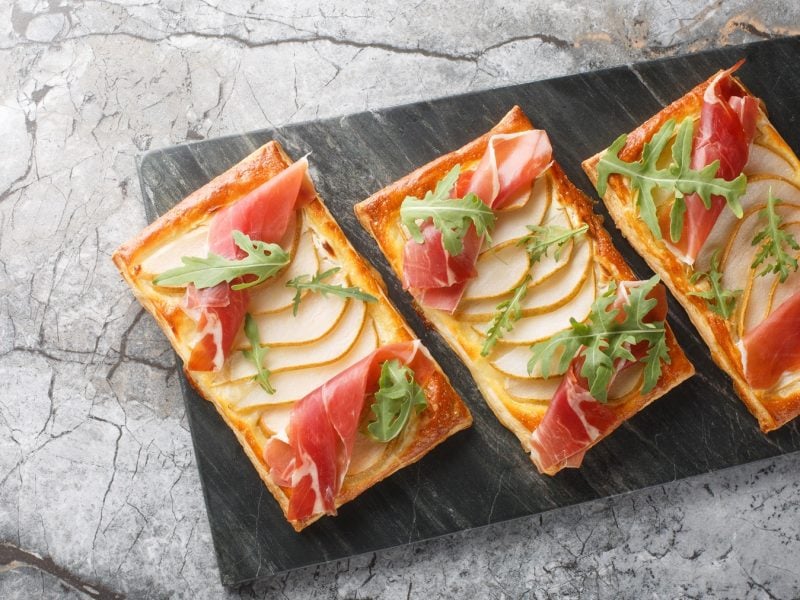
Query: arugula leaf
(262, 262)
(256, 353)
(397, 395)
(718, 299)
(507, 313)
(451, 216)
(315, 284)
(773, 239)
(678, 177)
(543, 237)
(602, 341)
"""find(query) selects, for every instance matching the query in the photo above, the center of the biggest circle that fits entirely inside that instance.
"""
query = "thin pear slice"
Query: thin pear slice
(753, 200)
(764, 293)
(627, 382)
(512, 223)
(192, 243)
(499, 270)
(529, 330)
(297, 383)
(367, 453)
(316, 316)
(532, 389)
(327, 349)
(274, 295)
(765, 161)
(545, 296)
(274, 420)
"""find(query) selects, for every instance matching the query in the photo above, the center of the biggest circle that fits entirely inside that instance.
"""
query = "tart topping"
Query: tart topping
(323, 425)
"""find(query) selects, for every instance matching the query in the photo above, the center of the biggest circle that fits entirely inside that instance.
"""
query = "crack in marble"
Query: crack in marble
(12, 558)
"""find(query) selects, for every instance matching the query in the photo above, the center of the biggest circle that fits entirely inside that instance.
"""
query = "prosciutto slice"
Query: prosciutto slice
(263, 214)
(726, 129)
(574, 419)
(773, 347)
(510, 164)
(322, 431)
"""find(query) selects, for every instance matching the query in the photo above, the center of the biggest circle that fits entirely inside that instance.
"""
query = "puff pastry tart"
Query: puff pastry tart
(506, 259)
(708, 193)
(288, 332)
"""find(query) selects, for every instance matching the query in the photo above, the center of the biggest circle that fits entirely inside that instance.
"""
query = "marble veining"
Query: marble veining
(99, 493)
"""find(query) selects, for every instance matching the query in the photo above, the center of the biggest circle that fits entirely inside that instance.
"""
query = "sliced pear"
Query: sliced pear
(295, 384)
(512, 222)
(544, 325)
(192, 243)
(765, 161)
(627, 382)
(328, 348)
(544, 296)
(499, 270)
(274, 295)
(367, 453)
(754, 199)
(532, 389)
(316, 316)
(513, 361)
(765, 293)
(274, 420)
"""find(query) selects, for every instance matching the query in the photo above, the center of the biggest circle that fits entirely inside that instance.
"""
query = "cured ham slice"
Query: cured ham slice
(510, 164)
(574, 419)
(322, 430)
(726, 129)
(264, 214)
(773, 347)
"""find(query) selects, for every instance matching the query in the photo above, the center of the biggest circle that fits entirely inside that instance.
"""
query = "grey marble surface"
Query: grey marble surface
(99, 494)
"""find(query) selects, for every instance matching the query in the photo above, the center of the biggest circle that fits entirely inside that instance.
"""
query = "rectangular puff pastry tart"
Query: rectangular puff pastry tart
(506, 259)
(288, 332)
(708, 193)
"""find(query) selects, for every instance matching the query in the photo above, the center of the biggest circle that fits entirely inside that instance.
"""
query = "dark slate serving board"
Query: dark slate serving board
(479, 476)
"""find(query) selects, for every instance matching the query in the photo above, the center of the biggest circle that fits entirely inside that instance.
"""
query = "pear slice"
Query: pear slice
(316, 316)
(274, 295)
(765, 161)
(513, 361)
(512, 221)
(168, 256)
(529, 330)
(499, 270)
(295, 384)
(627, 382)
(330, 347)
(764, 293)
(532, 389)
(546, 296)
(367, 452)
(274, 420)
(753, 200)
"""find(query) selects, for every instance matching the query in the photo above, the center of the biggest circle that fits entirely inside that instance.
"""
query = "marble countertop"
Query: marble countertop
(99, 494)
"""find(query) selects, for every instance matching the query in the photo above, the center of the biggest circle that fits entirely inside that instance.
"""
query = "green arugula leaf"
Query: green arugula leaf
(603, 340)
(544, 237)
(773, 239)
(678, 177)
(398, 394)
(718, 299)
(451, 216)
(256, 353)
(315, 284)
(507, 313)
(262, 262)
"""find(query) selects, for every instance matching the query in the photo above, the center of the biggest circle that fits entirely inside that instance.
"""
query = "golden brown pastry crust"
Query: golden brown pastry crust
(445, 414)
(772, 411)
(379, 215)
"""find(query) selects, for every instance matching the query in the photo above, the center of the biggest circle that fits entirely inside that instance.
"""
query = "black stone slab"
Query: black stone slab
(480, 476)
